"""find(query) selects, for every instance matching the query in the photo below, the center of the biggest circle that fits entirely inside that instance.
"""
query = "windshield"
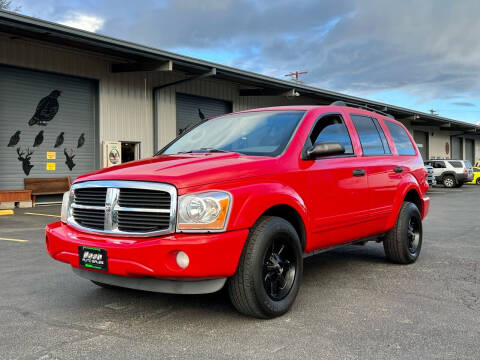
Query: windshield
(253, 133)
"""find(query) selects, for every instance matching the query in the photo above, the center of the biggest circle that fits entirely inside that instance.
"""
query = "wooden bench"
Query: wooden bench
(47, 186)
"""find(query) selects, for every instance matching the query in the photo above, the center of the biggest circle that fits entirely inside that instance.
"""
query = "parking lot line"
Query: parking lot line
(6, 212)
(38, 214)
(14, 240)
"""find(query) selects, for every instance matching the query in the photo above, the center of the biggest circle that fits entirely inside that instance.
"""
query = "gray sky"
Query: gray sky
(422, 54)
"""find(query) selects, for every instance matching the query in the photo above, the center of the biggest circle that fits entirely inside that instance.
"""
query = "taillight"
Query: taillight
(465, 170)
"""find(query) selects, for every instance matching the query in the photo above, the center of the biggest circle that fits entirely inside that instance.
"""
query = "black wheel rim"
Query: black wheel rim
(279, 269)
(413, 235)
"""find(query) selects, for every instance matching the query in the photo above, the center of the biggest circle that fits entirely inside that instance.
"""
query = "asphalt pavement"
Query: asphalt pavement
(353, 304)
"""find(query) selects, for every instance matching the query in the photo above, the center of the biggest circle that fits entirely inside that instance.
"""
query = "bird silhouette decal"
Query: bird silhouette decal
(14, 139)
(38, 139)
(46, 110)
(69, 159)
(59, 140)
(201, 115)
(81, 141)
(25, 160)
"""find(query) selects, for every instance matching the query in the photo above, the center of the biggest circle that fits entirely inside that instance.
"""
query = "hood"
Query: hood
(185, 170)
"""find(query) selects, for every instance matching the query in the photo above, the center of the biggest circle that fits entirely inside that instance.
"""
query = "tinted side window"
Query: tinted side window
(386, 147)
(369, 137)
(400, 138)
(456, 164)
(439, 165)
(331, 128)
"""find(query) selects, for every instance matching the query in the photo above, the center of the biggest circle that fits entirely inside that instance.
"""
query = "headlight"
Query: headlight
(203, 211)
(65, 206)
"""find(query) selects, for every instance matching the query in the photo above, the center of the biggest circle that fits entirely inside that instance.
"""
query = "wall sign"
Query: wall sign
(51, 155)
(51, 166)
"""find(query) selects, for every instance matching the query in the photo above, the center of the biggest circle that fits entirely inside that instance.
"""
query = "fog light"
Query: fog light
(182, 259)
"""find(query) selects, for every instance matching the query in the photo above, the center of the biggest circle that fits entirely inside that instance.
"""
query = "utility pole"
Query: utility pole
(433, 112)
(295, 76)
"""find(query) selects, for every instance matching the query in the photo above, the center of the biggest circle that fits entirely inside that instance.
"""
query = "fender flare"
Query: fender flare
(405, 186)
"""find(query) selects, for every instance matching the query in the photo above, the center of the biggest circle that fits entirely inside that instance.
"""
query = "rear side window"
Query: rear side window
(456, 164)
(439, 165)
(369, 135)
(400, 138)
(331, 128)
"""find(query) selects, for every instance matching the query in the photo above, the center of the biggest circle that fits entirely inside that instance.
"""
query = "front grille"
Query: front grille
(124, 207)
(142, 198)
(90, 218)
(91, 196)
(130, 221)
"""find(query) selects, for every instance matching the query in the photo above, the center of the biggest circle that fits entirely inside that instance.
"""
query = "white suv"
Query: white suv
(451, 173)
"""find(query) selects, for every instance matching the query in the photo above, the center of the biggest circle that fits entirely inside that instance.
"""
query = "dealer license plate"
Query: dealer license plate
(92, 258)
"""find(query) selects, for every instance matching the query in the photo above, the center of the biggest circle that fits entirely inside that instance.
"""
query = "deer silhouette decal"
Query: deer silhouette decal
(69, 159)
(25, 160)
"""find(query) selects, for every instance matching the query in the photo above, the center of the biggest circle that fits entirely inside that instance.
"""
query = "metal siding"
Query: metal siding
(20, 92)
(421, 139)
(457, 147)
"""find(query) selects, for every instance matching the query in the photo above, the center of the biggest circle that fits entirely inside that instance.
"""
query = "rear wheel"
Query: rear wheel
(449, 181)
(269, 273)
(403, 243)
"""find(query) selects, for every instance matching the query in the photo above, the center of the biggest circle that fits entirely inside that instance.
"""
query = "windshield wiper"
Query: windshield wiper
(205, 150)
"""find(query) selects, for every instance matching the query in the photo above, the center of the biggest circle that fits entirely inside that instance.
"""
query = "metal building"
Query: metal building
(68, 82)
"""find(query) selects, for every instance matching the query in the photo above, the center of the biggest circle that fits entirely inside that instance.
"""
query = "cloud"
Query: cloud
(82, 21)
(464, 103)
(427, 49)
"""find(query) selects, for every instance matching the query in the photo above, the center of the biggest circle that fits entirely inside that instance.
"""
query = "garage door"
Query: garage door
(421, 139)
(470, 150)
(191, 109)
(46, 126)
(457, 147)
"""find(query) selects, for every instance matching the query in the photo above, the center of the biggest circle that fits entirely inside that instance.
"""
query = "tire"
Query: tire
(478, 181)
(105, 286)
(449, 181)
(270, 269)
(403, 243)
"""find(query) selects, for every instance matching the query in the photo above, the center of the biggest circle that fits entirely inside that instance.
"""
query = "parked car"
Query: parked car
(451, 173)
(430, 177)
(476, 176)
(241, 199)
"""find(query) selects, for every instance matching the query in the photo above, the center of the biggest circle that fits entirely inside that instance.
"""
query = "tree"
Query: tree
(7, 5)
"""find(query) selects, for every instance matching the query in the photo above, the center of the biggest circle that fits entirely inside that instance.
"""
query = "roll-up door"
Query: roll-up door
(470, 150)
(47, 126)
(191, 109)
(457, 147)
(421, 139)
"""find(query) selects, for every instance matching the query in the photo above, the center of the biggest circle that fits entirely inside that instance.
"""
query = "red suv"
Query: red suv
(241, 199)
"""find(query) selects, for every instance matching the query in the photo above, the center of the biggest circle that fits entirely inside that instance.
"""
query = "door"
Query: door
(457, 147)
(421, 139)
(193, 109)
(338, 200)
(380, 166)
(47, 126)
(470, 150)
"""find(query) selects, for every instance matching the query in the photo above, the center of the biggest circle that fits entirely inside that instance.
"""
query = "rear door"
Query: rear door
(379, 164)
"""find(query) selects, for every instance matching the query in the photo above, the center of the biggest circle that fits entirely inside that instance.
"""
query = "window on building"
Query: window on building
(400, 138)
(369, 135)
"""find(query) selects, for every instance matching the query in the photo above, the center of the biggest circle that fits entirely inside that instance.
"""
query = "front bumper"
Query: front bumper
(212, 256)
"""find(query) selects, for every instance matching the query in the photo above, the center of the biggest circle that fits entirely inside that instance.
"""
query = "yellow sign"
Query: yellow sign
(51, 166)
(51, 155)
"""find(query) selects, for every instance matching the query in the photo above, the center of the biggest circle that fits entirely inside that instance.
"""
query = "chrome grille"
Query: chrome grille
(149, 199)
(90, 196)
(123, 208)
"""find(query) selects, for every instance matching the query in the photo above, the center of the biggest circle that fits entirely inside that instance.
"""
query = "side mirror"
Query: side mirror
(324, 149)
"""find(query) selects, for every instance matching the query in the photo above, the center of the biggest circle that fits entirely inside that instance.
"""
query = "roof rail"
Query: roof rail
(366, 107)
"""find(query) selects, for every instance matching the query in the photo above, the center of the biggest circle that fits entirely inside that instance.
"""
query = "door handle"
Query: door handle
(358, 172)
(398, 169)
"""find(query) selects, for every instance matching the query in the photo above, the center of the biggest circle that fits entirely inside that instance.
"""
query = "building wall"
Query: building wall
(126, 99)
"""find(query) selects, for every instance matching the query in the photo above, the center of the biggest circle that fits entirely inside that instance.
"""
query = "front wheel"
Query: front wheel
(269, 272)
(478, 181)
(403, 243)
